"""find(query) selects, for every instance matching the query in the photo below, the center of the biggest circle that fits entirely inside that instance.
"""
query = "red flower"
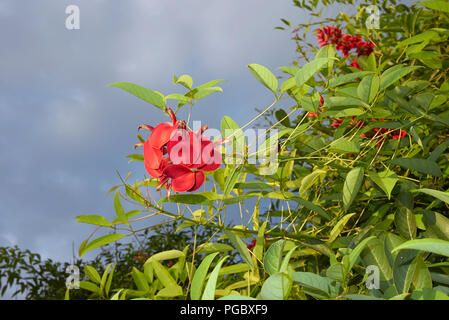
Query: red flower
(328, 35)
(399, 135)
(337, 122)
(355, 64)
(182, 178)
(378, 133)
(344, 43)
(178, 157)
(252, 244)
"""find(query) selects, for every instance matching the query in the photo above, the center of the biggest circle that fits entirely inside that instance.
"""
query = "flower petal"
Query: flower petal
(210, 157)
(152, 157)
(199, 180)
(161, 135)
(183, 179)
(184, 148)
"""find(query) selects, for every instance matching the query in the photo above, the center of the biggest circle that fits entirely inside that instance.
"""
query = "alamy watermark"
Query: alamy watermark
(252, 146)
(373, 277)
(73, 280)
(72, 21)
(373, 20)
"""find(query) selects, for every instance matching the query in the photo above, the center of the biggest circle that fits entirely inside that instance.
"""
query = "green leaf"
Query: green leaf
(209, 84)
(86, 285)
(374, 254)
(260, 241)
(344, 145)
(340, 80)
(273, 257)
(188, 199)
(310, 102)
(133, 157)
(108, 283)
(348, 112)
(170, 292)
(155, 98)
(211, 247)
(428, 294)
(162, 273)
(241, 247)
(289, 70)
(200, 276)
(416, 137)
(309, 69)
(440, 195)
(140, 280)
(327, 52)
(429, 58)
(437, 224)
(339, 226)
(368, 88)
(232, 179)
(311, 206)
(422, 277)
(436, 246)
(231, 131)
(438, 5)
(253, 185)
(351, 186)
(93, 219)
(438, 151)
(202, 93)
(288, 84)
(276, 287)
(404, 269)
(209, 290)
(282, 116)
(355, 253)
(129, 215)
(265, 76)
(101, 241)
(176, 96)
(344, 102)
(405, 222)
(316, 285)
(393, 74)
(308, 181)
(421, 165)
(285, 262)
(236, 268)
(121, 216)
(185, 80)
(167, 255)
(386, 180)
(92, 274)
(424, 36)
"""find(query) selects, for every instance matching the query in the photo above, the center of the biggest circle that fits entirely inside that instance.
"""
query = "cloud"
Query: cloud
(64, 133)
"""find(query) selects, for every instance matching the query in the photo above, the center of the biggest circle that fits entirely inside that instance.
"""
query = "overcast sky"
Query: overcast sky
(63, 133)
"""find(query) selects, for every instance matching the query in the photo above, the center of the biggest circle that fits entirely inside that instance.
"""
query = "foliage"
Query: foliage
(27, 275)
(362, 176)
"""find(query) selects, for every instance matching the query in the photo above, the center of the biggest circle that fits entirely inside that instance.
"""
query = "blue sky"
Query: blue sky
(64, 133)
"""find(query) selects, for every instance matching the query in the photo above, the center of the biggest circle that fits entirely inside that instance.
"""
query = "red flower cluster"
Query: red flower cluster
(178, 157)
(344, 42)
(381, 132)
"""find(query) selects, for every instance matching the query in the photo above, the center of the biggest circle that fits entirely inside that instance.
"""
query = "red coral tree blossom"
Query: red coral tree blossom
(178, 157)
(344, 43)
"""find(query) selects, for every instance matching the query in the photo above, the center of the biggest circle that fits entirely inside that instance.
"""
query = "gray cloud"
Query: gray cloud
(63, 133)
